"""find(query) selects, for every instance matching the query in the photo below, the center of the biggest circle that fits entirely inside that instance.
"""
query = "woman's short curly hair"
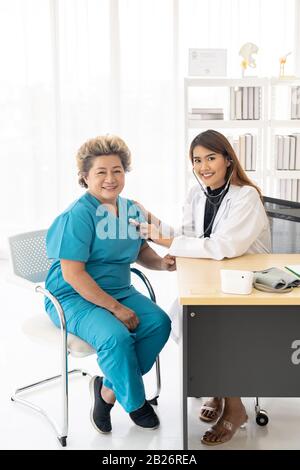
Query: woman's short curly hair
(101, 145)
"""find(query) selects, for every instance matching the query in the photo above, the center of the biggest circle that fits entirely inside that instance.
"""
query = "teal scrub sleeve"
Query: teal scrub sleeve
(70, 237)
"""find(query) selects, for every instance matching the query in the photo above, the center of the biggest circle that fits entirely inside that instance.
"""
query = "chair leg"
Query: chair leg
(61, 436)
(153, 401)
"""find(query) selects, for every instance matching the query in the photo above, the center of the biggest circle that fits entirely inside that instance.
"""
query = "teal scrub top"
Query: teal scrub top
(88, 232)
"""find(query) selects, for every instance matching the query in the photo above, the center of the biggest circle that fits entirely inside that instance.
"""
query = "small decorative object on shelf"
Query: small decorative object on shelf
(246, 52)
(282, 62)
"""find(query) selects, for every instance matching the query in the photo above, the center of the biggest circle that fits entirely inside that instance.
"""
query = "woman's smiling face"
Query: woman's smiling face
(106, 178)
(210, 167)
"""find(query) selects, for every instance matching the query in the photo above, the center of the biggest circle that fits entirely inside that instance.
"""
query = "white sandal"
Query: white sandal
(214, 412)
(228, 426)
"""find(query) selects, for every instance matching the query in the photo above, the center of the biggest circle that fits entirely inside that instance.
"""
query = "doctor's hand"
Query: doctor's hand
(149, 231)
(126, 316)
(168, 263)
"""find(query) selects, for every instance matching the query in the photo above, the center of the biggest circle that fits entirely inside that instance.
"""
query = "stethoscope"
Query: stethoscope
(211, 197)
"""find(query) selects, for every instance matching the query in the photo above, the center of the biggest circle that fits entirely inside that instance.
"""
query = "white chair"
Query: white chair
(30, 262)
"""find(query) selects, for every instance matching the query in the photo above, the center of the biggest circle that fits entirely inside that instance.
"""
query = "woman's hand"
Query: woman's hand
(168, 263)
(126, 316)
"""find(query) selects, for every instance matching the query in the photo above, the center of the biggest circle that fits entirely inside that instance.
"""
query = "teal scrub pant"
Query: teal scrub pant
(123, 356)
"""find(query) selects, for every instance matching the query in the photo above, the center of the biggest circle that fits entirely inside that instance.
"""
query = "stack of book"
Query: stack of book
(245, 102)
(295, 102)
(206, 113)
(245, 147)
(289, 189)
(287, 152)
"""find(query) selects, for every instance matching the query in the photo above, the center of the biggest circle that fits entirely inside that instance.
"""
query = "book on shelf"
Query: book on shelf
(279, 151)
(206, 110)
(248, 152)
(236, 147)
(254, 152)
(287, 151)
(257, 97)
(289, 189)
(242, 151)
(245, 149)
(294, 190)
(281, 189)
(297, 151)
(295, 102)
(232, 104)
(245, 103)
(251, 102)
(206, 113)
(292, 152)
(238, 103)
(205, 116)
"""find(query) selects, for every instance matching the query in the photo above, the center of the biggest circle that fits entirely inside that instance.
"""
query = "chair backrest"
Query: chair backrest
(284, 217)
(28, 255)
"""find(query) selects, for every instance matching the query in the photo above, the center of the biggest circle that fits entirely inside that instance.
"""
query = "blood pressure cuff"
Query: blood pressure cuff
(275, 278)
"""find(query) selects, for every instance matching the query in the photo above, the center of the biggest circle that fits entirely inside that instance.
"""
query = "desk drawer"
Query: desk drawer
(241, 350)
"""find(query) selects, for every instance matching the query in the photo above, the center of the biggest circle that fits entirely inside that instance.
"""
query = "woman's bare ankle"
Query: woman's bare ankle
(108, 395)
(234, 404)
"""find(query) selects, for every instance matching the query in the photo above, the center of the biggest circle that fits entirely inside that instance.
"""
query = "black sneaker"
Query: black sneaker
(100, 410)
(145, 417)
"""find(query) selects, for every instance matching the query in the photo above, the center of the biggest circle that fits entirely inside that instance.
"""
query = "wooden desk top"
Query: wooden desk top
(199, 281)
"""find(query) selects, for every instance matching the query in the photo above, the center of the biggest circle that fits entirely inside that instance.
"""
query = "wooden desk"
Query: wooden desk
(236, 345)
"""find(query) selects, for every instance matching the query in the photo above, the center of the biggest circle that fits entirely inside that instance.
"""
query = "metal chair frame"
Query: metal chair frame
(33, 243)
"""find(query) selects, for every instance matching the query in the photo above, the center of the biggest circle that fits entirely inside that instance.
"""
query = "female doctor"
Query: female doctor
(223, 218)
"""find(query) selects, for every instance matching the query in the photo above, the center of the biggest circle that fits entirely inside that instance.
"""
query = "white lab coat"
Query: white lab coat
(241, 226)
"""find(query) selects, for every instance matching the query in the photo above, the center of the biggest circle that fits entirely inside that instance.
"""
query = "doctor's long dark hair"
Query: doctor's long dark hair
(217, 142)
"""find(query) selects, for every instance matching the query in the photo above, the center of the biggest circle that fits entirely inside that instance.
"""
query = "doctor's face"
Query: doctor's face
(106, 178)
(210, 167)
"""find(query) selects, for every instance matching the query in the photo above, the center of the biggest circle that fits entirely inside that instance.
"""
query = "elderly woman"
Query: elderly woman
(93, 244)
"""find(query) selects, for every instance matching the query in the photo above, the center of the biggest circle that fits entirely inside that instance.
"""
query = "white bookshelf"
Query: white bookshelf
(281, 124)
(274, 119)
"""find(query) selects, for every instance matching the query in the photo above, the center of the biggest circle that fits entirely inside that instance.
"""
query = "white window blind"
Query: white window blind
(74, 69)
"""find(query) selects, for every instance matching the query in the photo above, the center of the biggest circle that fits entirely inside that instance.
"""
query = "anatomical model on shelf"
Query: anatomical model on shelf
(246, 52)
(282, 62)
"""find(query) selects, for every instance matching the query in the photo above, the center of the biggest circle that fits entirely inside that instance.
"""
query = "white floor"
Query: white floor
(23, 361)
